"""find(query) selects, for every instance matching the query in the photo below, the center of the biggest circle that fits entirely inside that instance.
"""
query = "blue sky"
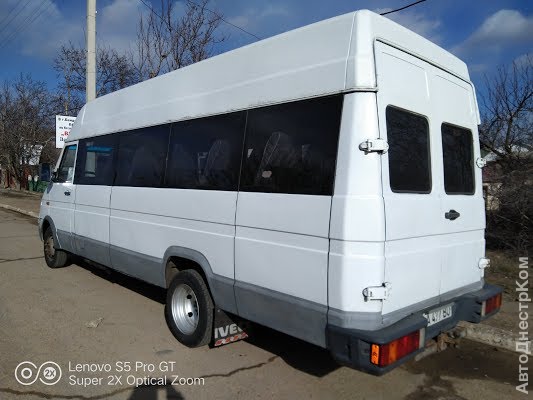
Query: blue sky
(485, 33)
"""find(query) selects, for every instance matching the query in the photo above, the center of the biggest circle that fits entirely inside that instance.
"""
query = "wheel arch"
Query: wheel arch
(49, 223)
(179, 258)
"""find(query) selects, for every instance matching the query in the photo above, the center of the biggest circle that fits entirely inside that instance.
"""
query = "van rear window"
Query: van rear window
(409, 157)
(458, 158)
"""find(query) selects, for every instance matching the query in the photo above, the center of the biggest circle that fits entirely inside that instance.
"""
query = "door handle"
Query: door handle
(67, 193)
(452, 214)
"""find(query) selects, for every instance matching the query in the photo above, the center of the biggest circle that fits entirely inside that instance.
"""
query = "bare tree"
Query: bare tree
(69, 65)
(507, 132)
(114, 72)
(507, 121)
(168, 40)
(25, 124)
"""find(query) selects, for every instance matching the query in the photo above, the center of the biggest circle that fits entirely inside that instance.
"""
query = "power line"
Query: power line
(14, 17)
(14, 33)
(10, 12)
(403, 8)
(31, 18)
(211, 11)
(227, 22)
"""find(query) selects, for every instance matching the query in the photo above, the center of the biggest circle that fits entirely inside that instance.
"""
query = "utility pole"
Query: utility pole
(90, 88)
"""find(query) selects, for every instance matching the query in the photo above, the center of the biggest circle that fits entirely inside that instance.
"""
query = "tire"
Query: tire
(189, 309)
(54, 258)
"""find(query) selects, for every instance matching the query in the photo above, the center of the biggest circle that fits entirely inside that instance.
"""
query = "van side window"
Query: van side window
(65, 172)
(292, 147)
(95, 164)
(409, 153)
(142, 156)
(458, 158)
(206, 153)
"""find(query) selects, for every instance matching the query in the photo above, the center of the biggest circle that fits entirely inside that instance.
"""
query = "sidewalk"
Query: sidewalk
(27, 203)
(499, 331)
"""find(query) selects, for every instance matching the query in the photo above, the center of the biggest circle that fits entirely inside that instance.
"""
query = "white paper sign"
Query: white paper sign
(63, 127)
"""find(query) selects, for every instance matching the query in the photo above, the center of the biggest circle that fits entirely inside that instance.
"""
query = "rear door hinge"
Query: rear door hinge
(374, 145)
(377, 292)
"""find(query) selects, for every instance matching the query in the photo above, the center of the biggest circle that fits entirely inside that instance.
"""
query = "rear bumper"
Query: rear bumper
(351, 347)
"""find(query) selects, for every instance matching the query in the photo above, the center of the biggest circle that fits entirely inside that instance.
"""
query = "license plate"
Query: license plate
(439, 314)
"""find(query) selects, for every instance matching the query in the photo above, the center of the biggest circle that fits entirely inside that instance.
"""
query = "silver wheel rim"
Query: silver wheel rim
(185, 309)
(49, 250)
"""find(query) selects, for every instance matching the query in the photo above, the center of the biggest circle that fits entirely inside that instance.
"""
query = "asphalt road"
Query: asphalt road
(81, 317)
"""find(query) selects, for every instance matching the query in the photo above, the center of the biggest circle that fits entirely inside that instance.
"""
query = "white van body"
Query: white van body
(361, 260)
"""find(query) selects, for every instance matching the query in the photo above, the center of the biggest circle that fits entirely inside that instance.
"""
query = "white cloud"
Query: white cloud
(478, 68)
(31, 28)
(524, 59)
(254, 18)
(417, 22)
(117, 23)
(240, 20)
(274, 10)
(48, 27)
(500, 31)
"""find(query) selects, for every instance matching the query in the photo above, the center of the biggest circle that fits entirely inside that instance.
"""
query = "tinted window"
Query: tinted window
(95, 162)
(206, 153)
(65, 172)
(457, 153)
(292, 148)
(141, 157)
(409, 160)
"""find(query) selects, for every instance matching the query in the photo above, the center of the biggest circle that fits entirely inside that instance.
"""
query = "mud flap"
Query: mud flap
(228, 328)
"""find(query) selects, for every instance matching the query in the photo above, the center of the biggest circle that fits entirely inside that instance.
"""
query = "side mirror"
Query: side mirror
(54, 177)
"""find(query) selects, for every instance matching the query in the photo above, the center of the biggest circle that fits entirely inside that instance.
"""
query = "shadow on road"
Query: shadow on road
(152, 292)
(155, 392)
(298, 354)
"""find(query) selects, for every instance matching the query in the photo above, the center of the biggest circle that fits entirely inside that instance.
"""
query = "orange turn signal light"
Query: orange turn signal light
(386, 354)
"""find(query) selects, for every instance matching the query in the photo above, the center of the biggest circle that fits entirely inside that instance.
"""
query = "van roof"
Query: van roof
(331, 56)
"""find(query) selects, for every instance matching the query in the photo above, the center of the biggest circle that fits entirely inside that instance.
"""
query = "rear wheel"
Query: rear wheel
(54, 258)
(189, 309)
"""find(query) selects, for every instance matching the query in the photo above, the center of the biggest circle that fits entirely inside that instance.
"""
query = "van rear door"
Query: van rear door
(429, 251)
(462, 204)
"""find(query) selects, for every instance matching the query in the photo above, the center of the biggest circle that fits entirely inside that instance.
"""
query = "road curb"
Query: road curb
(23, 191)
(476, 332)
(19, 210)
(489, 335)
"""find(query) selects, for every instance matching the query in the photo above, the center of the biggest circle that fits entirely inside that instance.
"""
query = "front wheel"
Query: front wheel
(189, 309)
(54, 258)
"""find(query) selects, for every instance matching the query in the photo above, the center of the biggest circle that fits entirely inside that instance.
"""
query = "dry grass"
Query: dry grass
(503, 271)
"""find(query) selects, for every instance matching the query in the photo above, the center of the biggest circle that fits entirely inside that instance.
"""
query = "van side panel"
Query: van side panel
(145, 222)
(281, 258)
(91, 222)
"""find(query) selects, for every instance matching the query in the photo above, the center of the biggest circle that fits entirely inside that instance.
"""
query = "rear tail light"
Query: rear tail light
(491, 304)
(386, 354)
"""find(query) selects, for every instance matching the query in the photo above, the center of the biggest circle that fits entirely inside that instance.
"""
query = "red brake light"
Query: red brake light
(386, 354)
(491, 304)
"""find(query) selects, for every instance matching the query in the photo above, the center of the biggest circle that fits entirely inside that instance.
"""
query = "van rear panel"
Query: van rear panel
(428, 272)
(434, 210)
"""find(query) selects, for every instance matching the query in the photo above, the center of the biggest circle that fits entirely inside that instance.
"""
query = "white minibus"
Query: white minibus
(325, 182)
